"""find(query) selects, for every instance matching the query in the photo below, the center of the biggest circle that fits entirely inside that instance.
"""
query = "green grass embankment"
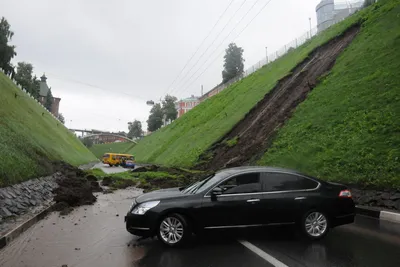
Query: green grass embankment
(182, 142)
(30, 138)
(348, 129)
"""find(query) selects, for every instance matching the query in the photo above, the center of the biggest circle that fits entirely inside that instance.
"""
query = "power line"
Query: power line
(198, 48)
(91, 85)
(226, 37)
(213, 41)
(233, 40)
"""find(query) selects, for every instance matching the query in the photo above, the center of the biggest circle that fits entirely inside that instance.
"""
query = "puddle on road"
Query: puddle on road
(89, 236)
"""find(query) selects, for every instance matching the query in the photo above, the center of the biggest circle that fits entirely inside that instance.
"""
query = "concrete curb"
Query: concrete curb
(378, 213)
(10, 236)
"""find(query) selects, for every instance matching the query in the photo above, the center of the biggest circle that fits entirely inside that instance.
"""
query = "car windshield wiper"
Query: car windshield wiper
(188, 188)
(203, 183)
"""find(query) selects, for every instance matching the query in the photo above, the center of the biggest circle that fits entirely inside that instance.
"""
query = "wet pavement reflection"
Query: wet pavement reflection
(96, 236)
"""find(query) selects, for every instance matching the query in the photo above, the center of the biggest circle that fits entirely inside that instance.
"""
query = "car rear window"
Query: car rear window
(275, 181)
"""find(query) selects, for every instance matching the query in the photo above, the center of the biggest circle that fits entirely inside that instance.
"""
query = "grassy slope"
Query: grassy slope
(348, 129)
(185, 139)
(28, 139)
(100, 149)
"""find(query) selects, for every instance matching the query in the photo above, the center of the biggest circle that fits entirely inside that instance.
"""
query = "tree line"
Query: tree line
(159, 114)
(166, 110)
(23, 74)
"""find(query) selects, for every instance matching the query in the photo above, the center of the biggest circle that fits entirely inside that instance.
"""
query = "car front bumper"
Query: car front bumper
(140, 225)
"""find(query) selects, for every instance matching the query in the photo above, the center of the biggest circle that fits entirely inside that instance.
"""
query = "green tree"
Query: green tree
(24, 78)
(168, 107)
(23, 75)
(61, 118)
(49, 100)
(135, 129)
(155, 120)
(88, 142)
(368, 2)
(7, 52)
(35, 89)
(233, 62)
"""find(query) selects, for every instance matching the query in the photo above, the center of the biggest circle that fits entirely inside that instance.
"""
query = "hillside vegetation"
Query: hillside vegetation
(30, 140)
(348, 129)
(122, 147)
(182, 142)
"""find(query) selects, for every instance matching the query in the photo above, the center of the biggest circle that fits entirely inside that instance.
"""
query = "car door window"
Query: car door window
(274, 181)
(241, 184)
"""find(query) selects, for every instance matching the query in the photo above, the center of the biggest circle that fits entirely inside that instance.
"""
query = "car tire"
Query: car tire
(174, 230)
(315, 224)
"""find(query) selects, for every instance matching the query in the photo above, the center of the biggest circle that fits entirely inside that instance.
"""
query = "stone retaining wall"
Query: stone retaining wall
(389, 199)
(17, 199)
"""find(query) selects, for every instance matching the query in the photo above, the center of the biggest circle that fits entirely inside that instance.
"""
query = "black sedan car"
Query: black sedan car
(242, 197)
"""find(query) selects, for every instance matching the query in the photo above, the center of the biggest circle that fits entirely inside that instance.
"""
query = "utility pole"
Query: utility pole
(310, 26)
(266, 54)
(201, 90)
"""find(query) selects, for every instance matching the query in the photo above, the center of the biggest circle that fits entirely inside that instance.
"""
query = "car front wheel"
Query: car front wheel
(315, 224)
(174, 230)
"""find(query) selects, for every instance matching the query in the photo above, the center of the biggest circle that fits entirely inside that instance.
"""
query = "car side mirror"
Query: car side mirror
(215, 192)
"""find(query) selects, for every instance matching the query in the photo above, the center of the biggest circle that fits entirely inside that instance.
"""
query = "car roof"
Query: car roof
(241, 169)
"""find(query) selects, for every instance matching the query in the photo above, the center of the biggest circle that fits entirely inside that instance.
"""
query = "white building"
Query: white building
(330, 12)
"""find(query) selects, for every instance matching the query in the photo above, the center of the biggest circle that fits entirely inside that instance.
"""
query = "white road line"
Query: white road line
(262, 254)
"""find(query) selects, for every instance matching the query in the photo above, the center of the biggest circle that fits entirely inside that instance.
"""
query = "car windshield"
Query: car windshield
(202, 185)
(194, 188)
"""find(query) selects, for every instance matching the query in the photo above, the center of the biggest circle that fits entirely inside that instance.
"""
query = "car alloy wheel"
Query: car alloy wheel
(171, 230)
(316, 224)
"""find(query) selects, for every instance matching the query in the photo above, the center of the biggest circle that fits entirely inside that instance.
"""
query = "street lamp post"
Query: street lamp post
(266, 54)
(310, 26)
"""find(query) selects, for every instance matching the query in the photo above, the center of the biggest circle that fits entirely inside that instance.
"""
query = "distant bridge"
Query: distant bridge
(89, 131)
(98, 133)
(110, 134)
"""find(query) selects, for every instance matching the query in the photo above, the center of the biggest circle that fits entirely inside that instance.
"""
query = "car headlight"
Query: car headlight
(144, 207)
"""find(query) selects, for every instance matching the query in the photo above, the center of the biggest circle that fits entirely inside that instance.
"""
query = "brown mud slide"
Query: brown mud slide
(255, 131)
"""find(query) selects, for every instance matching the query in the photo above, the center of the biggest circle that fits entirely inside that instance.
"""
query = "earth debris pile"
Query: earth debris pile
(176, 177)
(74, 189)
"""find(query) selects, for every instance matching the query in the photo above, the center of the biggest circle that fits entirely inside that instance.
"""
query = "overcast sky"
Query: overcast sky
(105, 59)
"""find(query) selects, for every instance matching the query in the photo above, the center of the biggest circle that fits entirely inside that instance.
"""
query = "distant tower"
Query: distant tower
(325, 14)
(43, 78)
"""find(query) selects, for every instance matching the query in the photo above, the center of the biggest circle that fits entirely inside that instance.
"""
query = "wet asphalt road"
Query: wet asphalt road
(96, 236)
(107, 169)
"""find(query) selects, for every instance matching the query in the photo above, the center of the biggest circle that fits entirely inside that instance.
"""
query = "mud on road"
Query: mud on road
(91, 235)
(255, 131)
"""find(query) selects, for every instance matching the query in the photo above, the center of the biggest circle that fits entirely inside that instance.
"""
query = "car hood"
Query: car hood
(160, 194)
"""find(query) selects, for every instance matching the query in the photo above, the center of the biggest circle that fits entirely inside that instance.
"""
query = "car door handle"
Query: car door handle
(299, 198)
(253, 200)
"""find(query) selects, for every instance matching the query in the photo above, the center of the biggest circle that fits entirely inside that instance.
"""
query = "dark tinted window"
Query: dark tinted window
(282, 181)
(244, 183)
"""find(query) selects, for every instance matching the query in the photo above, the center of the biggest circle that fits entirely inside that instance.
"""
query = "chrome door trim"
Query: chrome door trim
(248, 225)
(271, 192)
(139, 228)
(253, 200)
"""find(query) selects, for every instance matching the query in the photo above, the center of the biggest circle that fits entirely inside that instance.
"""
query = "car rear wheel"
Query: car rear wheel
(174, 230)
(315, 224)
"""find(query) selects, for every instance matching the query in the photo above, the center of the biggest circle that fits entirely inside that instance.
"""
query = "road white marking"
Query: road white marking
(262, 254)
